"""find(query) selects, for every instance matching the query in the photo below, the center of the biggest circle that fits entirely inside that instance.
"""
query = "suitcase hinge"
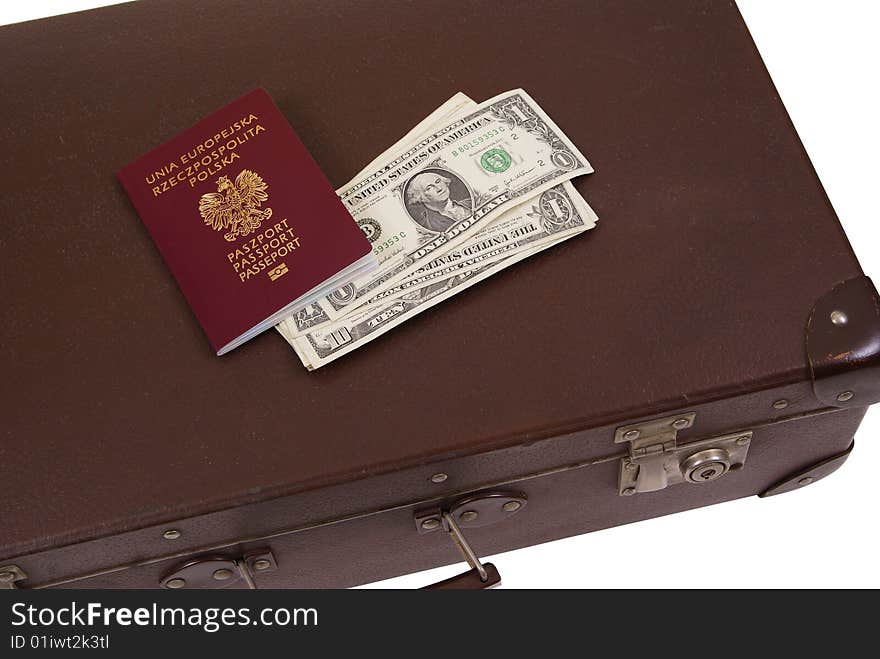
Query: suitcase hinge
(9, 575)
(656, 460)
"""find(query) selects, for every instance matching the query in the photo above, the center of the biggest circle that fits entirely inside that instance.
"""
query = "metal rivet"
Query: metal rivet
(631, 466)
(468, 516)
(430, 524)
(7, 577)
(678, 424)
(175, 583)
(742, 441)
(838, 317)
(630, 435)
(262, 564)
(844, 396)
(628, 492)
(806, 480)
(222, 574)
(780, 404)
(438, 478)
(171, 534)
(511, 506)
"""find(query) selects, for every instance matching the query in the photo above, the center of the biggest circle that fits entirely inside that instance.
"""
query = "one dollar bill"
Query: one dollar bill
(515, 239)
(438, 192)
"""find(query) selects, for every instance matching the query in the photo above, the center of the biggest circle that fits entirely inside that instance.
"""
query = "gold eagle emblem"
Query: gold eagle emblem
(235, 206)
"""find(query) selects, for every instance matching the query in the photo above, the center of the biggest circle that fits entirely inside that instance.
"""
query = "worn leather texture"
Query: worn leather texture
(715, 241)
(562, 504)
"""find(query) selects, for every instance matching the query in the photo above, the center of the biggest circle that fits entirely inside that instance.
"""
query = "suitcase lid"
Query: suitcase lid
(715, 240)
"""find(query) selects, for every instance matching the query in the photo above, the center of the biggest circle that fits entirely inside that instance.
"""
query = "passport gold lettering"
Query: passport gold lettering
(206, 159)
(230, 203)
(263, 251)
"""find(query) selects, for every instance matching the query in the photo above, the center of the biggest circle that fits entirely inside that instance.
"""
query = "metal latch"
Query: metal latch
(9, 575)
(656, 460)
(220, 571)
(470, 512)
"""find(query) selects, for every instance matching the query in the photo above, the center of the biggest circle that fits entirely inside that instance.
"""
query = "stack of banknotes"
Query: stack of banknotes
(469, 191)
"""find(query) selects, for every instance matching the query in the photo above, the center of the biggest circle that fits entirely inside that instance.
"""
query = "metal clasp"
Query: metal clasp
(9, 575)
(470, 512)
(656, 460)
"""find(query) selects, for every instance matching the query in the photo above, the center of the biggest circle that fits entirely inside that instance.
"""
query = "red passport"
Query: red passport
(246, 221)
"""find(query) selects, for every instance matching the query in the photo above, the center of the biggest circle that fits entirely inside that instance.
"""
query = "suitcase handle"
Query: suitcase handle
(479, 577)
(209, 572)
(475, 510)
(214, 571)
(469, 580)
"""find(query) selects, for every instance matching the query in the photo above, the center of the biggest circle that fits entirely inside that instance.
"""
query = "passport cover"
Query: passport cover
(244, 218)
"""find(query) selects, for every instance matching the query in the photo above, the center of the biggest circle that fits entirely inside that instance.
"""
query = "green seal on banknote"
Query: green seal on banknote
(495, 160)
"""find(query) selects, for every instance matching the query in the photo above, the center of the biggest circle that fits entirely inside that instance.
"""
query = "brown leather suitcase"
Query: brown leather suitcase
(628, 373)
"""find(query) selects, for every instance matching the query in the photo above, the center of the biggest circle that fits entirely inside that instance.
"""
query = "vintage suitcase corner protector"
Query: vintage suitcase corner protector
(843, 344)
(809, 474)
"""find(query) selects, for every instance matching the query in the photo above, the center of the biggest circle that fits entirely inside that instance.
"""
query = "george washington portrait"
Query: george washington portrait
(437, 199)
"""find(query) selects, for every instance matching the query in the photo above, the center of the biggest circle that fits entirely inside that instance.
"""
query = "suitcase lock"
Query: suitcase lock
(656, 460)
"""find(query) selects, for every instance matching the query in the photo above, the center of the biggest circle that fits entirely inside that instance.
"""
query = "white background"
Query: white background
(824, 59)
